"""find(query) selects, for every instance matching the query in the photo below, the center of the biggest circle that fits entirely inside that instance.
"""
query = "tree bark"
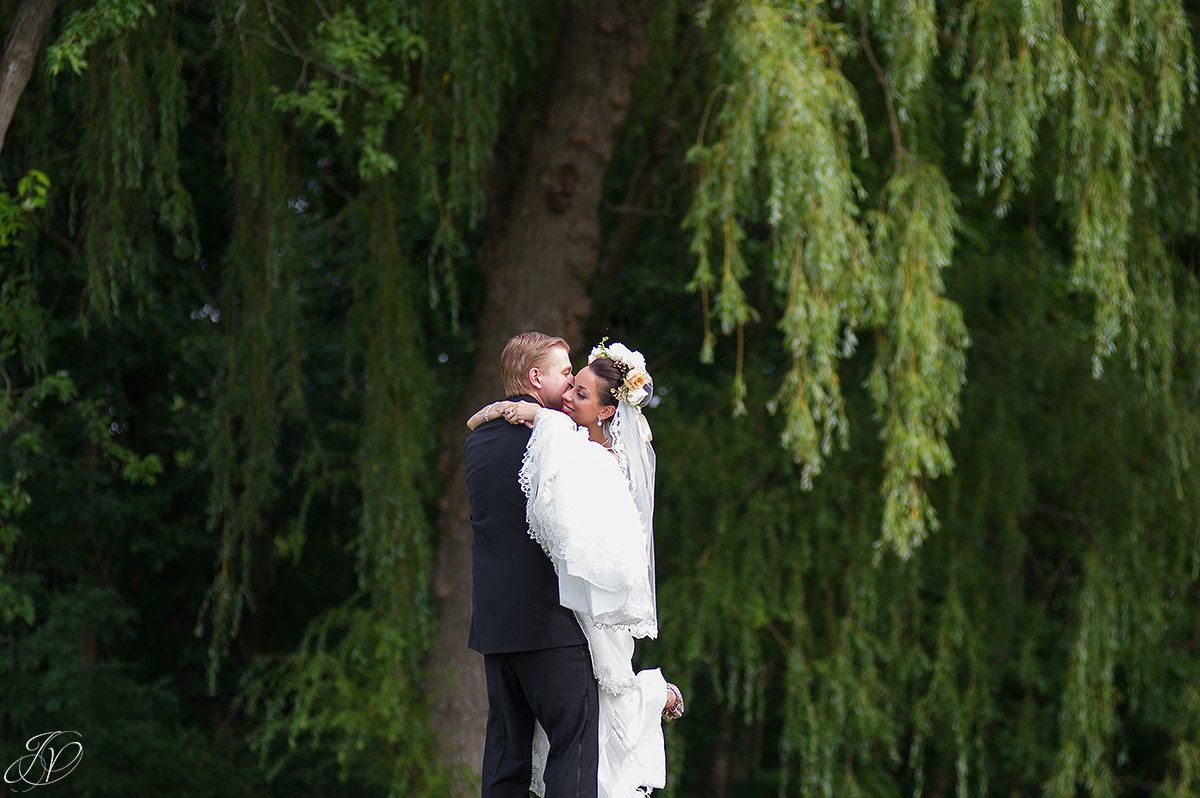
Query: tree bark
(20, 55)
(537, 264)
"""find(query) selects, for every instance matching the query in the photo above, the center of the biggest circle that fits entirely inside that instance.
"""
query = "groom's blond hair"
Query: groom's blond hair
(523, 352)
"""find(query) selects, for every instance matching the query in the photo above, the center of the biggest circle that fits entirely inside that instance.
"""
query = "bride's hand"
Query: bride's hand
(517, 412)
(512, 412)
(673, 708)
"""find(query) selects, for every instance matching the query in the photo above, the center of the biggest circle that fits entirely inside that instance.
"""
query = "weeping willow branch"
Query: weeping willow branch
(893, 121)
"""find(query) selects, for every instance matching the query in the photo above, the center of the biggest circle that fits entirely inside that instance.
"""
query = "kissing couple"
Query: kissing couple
(560, 478)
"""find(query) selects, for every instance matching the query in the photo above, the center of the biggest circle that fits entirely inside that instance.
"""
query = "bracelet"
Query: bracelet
(675, 712)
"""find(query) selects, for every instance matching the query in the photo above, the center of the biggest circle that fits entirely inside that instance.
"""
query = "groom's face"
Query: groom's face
(555, 379)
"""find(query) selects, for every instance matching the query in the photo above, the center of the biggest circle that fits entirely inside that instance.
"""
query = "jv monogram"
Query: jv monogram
(47, 763)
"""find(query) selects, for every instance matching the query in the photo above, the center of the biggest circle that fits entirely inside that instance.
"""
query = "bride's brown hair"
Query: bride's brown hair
(610, 376)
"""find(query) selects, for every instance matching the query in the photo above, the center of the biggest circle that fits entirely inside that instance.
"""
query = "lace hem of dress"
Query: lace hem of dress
(645, 630)
(610, 684)
(525, 475)
(552, 544)
(541, 755)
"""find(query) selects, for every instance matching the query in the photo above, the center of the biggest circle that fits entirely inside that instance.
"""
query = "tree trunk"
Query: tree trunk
(537, 264)
(20, 56)
(722, 756)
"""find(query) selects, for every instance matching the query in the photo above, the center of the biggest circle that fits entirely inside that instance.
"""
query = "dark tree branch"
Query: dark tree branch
(881, 76)
(20, 54)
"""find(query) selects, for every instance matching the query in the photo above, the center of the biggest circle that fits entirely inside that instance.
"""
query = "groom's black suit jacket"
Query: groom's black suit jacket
(514, 601)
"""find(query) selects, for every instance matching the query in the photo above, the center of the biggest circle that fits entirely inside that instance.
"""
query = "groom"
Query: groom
(535, 656)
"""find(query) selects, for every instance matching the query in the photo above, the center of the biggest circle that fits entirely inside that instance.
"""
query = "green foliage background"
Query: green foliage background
(917, 282)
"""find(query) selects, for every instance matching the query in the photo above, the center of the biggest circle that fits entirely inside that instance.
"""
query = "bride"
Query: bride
(588, 477)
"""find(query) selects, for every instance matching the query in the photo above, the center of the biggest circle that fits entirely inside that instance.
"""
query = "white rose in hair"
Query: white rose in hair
(637, 397)
(619, 352)
(627, 356)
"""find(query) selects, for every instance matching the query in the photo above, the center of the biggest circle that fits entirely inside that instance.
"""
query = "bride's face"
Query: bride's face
(582, 402)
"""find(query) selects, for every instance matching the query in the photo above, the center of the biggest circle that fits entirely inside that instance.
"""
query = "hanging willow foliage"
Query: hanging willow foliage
(1039, 636)
(129, 187)
(353, 683)
(262, 382)
(414, 102)
(787, 107)
(968, 664)
(1112, 82)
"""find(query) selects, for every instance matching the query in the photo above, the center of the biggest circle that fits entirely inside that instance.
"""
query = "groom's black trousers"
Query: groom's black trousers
(556, 687)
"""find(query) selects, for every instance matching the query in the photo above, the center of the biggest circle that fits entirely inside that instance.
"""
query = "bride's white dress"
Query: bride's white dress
(581, 511)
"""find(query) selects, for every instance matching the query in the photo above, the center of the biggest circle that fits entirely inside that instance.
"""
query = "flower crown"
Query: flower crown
(635, 385)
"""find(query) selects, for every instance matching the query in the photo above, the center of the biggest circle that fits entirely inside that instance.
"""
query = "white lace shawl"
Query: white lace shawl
(580, 511)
